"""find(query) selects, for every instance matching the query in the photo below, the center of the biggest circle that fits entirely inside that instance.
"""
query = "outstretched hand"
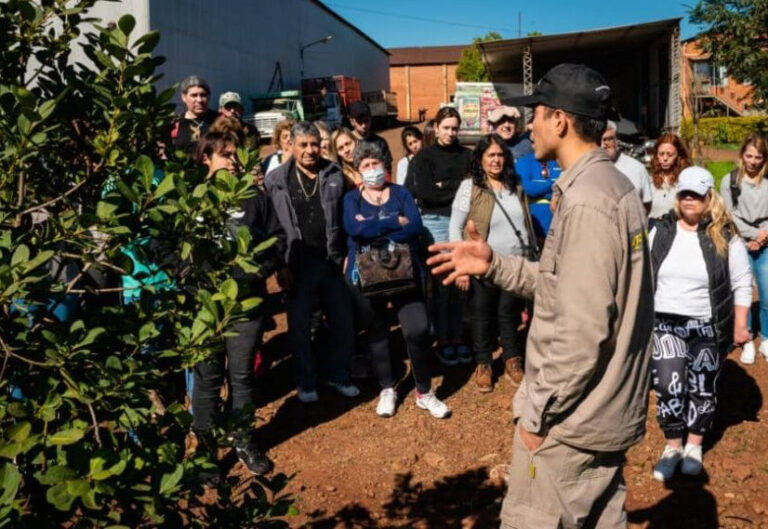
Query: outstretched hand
(472, 257)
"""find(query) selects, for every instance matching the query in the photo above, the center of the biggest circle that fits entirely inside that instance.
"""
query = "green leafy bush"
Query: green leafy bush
(715, 131)
(82, 444)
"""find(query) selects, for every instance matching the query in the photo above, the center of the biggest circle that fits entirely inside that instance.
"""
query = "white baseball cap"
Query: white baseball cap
(695, 179)
(498, 113)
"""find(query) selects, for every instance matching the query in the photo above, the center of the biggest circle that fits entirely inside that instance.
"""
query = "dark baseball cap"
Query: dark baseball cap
(359, 109)
(574, 88)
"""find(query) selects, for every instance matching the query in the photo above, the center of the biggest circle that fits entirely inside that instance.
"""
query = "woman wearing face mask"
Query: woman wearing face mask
(437, 172)
(411, 138)
(281, 142)
(703, 294)
(376, 210)
(343, 143)
(745, 191)
(669, 158)
(494, 200)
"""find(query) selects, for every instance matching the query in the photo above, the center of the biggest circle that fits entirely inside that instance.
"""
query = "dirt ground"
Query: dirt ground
(353, 469)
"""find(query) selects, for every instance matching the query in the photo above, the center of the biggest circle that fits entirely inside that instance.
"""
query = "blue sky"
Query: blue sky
(395, 23)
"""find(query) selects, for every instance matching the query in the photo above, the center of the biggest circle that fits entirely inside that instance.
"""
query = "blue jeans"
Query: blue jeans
(447, 302)
(320, 279)
(759, 262)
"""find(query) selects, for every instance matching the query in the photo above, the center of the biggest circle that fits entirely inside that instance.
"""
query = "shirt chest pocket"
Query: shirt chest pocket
(547, 262)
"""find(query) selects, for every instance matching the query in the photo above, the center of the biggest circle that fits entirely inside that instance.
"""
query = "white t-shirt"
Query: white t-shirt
(402, 170)
(637, 174)
(682, 285)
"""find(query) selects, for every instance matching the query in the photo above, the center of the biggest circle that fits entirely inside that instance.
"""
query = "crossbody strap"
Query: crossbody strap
(530, 248)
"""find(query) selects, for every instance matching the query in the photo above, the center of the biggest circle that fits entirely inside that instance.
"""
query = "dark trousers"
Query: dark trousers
(209, 375)
(686, 366)
(412, 315)
(319, 280)
(494, 312)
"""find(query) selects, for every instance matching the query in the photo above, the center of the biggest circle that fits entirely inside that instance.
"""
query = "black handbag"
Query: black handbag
(385, 267)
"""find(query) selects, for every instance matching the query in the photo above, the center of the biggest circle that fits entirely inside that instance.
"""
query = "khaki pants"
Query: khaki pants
(561, 487)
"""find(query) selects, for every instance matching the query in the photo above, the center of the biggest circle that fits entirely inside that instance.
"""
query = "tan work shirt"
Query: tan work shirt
(587, 369)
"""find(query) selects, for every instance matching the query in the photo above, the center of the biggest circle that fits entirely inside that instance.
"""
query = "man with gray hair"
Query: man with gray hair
(197, 117)
(627, 165)
(307, 193)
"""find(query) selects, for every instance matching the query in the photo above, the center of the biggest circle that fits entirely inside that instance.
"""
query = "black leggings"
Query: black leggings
(494, 312)
(412, 315)
(686, 365)
(209, 375)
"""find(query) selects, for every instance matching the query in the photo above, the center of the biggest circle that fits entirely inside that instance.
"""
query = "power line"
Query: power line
(421, 19)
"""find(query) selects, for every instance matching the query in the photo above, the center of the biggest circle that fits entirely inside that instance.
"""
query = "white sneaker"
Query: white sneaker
(763, 348)
(348, 390)
(387, 403)
(307, 396)
(748, 353)
(433, 405)
(691, 465)
(665, 468)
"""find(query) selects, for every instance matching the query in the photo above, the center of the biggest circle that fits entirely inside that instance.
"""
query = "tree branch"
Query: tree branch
(96, 432)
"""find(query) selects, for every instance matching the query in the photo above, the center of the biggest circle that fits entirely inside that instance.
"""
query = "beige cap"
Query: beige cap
(495, 115)
(229, 97)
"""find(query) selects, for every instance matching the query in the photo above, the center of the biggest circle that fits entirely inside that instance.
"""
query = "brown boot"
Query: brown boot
(484, 378)
(513, 370)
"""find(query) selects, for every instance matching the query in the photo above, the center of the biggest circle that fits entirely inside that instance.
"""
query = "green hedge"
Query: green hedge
(714, 131)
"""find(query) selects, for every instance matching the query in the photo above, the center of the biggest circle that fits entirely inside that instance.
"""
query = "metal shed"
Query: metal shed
(641, 63)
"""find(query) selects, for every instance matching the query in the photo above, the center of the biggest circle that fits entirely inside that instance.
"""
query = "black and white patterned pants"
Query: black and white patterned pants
(686, 365)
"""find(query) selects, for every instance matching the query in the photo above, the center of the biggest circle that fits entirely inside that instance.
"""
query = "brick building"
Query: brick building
(708, 85)
(422, 78)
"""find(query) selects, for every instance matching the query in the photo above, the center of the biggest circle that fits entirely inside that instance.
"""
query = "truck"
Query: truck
(475, 101)
(270, 108)
(383, 106)
(321, 98)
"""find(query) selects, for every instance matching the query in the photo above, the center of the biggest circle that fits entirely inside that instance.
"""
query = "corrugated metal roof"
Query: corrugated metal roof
(504, 58)
(425, 55)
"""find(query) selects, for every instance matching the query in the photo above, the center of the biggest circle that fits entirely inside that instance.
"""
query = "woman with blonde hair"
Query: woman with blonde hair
(281, 142)
(703, 295)
(745, 192)
(343, 143)
(669, 158)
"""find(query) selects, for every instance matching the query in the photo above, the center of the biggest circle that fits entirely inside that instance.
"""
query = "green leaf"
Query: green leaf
(91, 337)
(10, 450)
(250, 303)
(59, 497)
(114, 470)
(146, 167)
(78, 487)
(165, 186)
(170, 480)
(105, 210)
(126, 23)
(229, 288)
(46, 108)
(21, 255)
(56, 474)
(66, 436)
(147, 331)
(10, 479)
(41, 258)
(18, 432)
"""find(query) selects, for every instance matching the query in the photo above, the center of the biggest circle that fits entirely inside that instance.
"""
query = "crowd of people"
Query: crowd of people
(642, 277)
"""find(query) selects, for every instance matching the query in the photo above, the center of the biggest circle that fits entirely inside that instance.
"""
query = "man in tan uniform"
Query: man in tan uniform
(584, 398)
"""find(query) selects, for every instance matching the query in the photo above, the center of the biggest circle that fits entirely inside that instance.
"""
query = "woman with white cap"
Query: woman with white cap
(703, 294)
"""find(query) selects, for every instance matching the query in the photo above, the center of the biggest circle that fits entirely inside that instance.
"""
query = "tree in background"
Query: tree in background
(471, 67)
(737, 38)
(83, 184)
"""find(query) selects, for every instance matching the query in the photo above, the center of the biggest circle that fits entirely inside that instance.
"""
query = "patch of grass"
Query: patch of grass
(719, 170)
(728, 146)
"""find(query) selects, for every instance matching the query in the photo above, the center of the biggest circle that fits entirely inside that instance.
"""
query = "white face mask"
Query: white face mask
(374, 177)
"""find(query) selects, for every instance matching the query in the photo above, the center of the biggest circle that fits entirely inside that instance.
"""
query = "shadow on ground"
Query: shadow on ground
(468, 499)
(689, 506)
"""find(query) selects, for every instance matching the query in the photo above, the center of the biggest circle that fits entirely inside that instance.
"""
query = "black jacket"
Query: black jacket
(720, 291)
(331, 197)
(258, 215)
